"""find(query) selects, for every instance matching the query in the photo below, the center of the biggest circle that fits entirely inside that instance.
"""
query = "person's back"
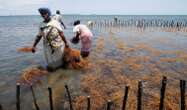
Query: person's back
(83, 29)
(58, 17)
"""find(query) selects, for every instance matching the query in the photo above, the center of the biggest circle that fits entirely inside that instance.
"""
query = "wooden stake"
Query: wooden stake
(69, 97)
(139, 98)
(88, 103)
(125, 97)
(18, 96)
(34, 98)
(182, 91)
(1, 108)
(162, 93)
(50, 98)
(109, 103)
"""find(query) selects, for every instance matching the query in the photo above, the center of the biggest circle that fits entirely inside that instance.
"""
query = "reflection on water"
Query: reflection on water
(114, 63)
(117, 59)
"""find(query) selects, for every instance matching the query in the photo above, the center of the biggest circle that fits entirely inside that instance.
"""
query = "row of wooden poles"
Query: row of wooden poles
(109, 105)
(141, 23)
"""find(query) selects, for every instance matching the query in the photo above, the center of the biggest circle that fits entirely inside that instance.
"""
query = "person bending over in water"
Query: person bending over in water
(83, 33)
(54, 40)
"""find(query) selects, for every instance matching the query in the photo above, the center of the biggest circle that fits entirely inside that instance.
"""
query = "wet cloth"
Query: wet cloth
(57, 17)
(85, 36)
(52, 43)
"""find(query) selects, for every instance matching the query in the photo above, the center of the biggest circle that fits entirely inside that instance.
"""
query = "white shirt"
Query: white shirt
(83, 30)
(57, 17)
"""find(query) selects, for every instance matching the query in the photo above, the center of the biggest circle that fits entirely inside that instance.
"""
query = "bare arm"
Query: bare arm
(38, 38)
(63, 25)
(75, 39)
(63, 38)
(77, 35)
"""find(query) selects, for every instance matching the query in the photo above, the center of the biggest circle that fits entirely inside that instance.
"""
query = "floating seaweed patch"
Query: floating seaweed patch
(25, 49)
(102, 87)
(73, 59)
(32, 75)
(100, 44)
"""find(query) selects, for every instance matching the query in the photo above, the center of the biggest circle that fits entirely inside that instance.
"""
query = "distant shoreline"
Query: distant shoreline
(90, 15)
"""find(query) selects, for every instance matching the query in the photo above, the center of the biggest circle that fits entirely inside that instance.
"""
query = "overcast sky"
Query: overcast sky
(122, 7)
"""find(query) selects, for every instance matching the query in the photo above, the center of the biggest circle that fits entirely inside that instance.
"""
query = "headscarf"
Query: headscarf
(44, 11)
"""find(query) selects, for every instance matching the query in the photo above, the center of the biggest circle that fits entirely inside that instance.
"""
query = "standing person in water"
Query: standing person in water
(58, 17)
(83, 33)
(54, 40)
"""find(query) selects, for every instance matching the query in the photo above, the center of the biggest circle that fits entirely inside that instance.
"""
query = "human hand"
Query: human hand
(74, 40)
(67, 45)
(33, 49)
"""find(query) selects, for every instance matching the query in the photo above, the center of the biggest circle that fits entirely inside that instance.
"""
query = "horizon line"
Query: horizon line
(104, 15)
